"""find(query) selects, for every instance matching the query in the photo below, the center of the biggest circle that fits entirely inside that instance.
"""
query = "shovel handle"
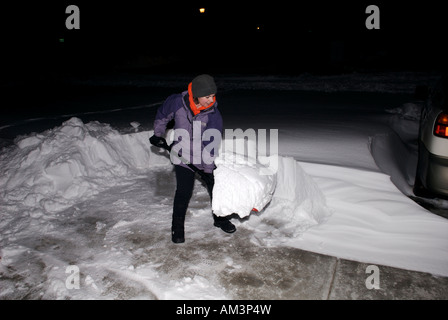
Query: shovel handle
(165, 146)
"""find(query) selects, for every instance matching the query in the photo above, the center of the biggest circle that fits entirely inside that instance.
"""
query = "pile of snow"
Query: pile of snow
(289, 196)
(406, 123)
(298, 203)
(408, 110)
(51, 171)
(242, 185)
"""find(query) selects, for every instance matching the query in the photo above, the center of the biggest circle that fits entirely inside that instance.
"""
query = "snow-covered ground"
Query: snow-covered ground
(86, 197)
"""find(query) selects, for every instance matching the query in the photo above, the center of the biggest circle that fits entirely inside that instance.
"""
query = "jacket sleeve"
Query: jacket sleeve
(165, 114)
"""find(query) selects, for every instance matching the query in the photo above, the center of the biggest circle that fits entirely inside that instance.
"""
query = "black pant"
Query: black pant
(184, 191)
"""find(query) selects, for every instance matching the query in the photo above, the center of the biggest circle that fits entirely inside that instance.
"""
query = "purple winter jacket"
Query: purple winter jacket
(189, 139)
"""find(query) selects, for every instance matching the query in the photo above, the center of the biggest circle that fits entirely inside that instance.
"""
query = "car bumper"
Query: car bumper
(435, 177)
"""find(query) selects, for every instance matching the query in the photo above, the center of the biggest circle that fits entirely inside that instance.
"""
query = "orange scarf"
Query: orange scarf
(196, 110)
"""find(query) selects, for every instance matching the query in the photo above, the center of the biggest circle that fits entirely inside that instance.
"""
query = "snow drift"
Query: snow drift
(298, 203)
(288, 196)
(276, 186)
(51, 171)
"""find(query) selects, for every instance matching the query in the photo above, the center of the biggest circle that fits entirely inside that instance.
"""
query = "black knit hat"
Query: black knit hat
(203, 85)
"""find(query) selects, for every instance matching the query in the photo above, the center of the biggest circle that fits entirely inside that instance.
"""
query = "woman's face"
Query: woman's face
(206, 101)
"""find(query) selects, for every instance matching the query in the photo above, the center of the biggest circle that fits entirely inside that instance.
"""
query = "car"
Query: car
(431, 179)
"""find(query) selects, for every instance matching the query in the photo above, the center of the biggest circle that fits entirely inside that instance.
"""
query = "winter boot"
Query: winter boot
(224, 224)
(177, 230)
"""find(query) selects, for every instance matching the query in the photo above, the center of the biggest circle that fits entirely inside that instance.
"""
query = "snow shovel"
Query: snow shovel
(185, 161)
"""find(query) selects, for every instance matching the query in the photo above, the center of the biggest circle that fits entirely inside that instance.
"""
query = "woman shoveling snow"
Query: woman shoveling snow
(194, 108)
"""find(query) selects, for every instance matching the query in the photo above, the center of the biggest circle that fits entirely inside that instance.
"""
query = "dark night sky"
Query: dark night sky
(294, 35)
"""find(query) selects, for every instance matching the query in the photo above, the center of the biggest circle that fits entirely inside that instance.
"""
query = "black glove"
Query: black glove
(158, 141)
(208, 178)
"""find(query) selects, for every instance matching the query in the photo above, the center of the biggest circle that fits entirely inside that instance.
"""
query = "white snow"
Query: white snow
(373, 221)
(298, 203)
(52, 171)
(242, 185)
(83, 194)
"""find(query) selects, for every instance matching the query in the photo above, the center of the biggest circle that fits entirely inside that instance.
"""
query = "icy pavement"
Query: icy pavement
(123, 251)
(120, 241)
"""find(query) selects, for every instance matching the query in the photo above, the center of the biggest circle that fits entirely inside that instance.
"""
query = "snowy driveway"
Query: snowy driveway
(85, 195)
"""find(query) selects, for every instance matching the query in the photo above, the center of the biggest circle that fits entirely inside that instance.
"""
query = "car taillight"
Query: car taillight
(441, 126)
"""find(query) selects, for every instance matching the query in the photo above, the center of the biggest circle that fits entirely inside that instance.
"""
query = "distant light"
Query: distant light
(61, 40)
(202, 10)
(258, 28)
